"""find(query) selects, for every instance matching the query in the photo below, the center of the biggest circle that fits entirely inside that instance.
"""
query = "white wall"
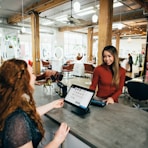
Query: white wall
(134, 46)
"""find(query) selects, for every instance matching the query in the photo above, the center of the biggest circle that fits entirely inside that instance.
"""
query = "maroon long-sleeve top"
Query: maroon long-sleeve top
(102, 77)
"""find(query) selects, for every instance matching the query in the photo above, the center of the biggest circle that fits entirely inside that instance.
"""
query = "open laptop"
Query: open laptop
(78, 99)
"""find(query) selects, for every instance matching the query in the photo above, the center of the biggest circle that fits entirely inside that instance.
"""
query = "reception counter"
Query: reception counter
(114, 126)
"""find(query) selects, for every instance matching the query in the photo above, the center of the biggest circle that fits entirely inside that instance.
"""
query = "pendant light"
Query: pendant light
(129, 39)
(120, 25)
(95, 16)
(76, 6)
(23, 28)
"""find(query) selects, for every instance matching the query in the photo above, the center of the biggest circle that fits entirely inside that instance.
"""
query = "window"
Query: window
(74, 43)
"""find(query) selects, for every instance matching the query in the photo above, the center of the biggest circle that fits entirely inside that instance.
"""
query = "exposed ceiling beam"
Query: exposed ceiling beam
(125, 17)
(38, 7)
(130, 30)
(17, 18)
(44, 5)
(143, 3)
(129, 16)
(126, 31)
(73, 28)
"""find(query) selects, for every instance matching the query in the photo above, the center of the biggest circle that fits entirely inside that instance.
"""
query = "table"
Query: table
(114, 126)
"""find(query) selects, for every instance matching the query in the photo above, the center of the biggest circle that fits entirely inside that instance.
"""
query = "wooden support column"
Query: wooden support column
(90, 44)
(118, 42)
(35, 42)
(105, 26)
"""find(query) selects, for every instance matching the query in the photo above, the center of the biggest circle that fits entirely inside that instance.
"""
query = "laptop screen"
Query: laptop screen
(79, 96)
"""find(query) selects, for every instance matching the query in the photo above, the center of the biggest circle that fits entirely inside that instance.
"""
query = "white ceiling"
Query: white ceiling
(10, 8)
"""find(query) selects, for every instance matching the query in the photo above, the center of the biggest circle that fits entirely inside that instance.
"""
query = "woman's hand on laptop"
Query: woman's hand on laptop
(58, 103)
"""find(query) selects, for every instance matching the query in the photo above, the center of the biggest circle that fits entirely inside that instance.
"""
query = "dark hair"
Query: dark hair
(15, 91)
(115, 66)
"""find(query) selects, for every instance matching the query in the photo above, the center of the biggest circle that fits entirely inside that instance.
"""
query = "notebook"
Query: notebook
(78, 98)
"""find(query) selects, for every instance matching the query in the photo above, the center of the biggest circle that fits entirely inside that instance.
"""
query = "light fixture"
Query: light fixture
(76, 6)
(129, 39)
(95, 16)
(23, 29)
(120, 25)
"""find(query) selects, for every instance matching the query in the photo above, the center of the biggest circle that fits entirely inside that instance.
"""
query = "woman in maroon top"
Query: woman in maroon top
(109, 77)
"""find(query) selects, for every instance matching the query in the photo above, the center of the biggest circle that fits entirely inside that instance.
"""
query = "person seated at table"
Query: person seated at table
(55, 76)
(109, 77)
(20, 119)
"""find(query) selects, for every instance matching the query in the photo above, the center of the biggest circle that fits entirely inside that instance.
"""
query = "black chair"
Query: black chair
(138, 92)
(125, 85)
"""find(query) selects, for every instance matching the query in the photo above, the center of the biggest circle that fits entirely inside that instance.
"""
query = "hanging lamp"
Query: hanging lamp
(95, 16)
(120, 25)
(76, 6)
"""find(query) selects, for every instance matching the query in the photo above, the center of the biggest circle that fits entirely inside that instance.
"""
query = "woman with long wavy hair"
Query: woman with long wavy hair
(108, 77)
(20, 121)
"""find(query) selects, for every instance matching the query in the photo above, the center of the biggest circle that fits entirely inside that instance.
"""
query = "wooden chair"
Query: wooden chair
(68, 69)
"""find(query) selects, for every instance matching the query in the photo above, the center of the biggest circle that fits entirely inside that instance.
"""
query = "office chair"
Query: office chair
(138, 93)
